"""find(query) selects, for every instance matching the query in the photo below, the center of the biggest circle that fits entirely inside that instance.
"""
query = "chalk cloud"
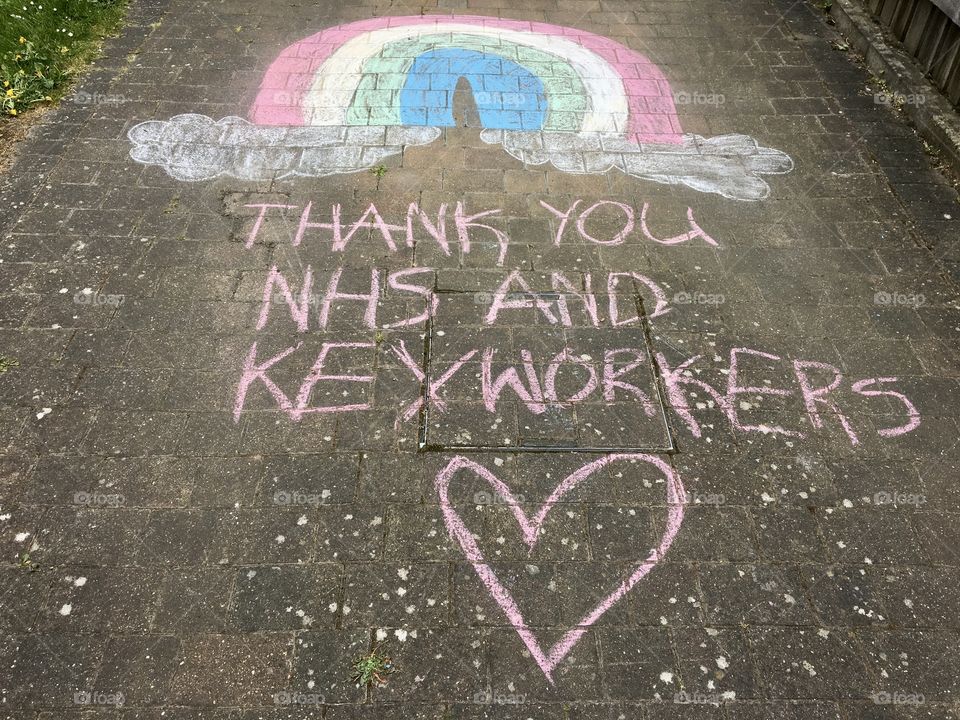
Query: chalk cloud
(728, 165)
(195, 147)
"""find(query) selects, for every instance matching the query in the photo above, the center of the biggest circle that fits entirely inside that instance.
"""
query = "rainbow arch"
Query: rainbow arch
(525, 76)
(348, 97)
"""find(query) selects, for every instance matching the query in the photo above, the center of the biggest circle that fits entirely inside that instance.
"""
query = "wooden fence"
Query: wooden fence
(930, 31)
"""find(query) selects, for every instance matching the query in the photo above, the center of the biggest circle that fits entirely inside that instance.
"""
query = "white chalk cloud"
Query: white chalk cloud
(195, 147)
(728, 165)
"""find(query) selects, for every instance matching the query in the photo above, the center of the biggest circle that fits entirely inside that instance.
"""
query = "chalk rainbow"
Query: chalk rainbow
(348, 97)
(524, 76)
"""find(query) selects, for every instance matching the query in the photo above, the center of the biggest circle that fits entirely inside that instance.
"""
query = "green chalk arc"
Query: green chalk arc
(376, 100)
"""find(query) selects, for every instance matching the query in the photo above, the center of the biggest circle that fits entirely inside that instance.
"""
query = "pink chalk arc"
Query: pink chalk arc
(530, 530)
(641, 86)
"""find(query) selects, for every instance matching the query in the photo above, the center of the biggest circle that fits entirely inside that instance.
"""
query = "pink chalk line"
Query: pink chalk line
(530, 529)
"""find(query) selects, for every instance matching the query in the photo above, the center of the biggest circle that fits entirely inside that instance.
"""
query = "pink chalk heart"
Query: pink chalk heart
(530, 529)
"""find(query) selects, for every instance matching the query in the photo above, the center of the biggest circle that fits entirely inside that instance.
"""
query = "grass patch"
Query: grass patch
(7, 362)
(372, 669)
(44, 43)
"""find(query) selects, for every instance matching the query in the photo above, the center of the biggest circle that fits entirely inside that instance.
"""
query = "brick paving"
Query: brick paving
(619, 449)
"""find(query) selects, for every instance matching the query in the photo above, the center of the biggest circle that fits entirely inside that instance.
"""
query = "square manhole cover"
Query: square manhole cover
(526, 383)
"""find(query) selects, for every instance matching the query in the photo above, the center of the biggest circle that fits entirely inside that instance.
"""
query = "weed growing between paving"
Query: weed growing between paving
(372, 669)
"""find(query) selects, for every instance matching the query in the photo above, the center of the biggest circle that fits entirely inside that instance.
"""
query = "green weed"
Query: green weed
(372, 669)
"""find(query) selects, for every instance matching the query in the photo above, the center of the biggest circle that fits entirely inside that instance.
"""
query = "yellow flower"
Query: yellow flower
(9, 93)
(13, 111)
(6, 83)
(22, 39)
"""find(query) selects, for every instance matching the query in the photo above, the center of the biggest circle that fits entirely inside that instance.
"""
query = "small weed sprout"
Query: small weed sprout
(372, 669)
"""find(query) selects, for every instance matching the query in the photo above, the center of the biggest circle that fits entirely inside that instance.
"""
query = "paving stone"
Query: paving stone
(285, 597)
(218, 669)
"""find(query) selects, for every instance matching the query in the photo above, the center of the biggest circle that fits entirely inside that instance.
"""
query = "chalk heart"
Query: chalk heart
(530, 528)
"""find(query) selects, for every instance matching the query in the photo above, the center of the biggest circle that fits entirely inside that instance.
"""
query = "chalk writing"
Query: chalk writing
(333, 229)
(613, 377)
